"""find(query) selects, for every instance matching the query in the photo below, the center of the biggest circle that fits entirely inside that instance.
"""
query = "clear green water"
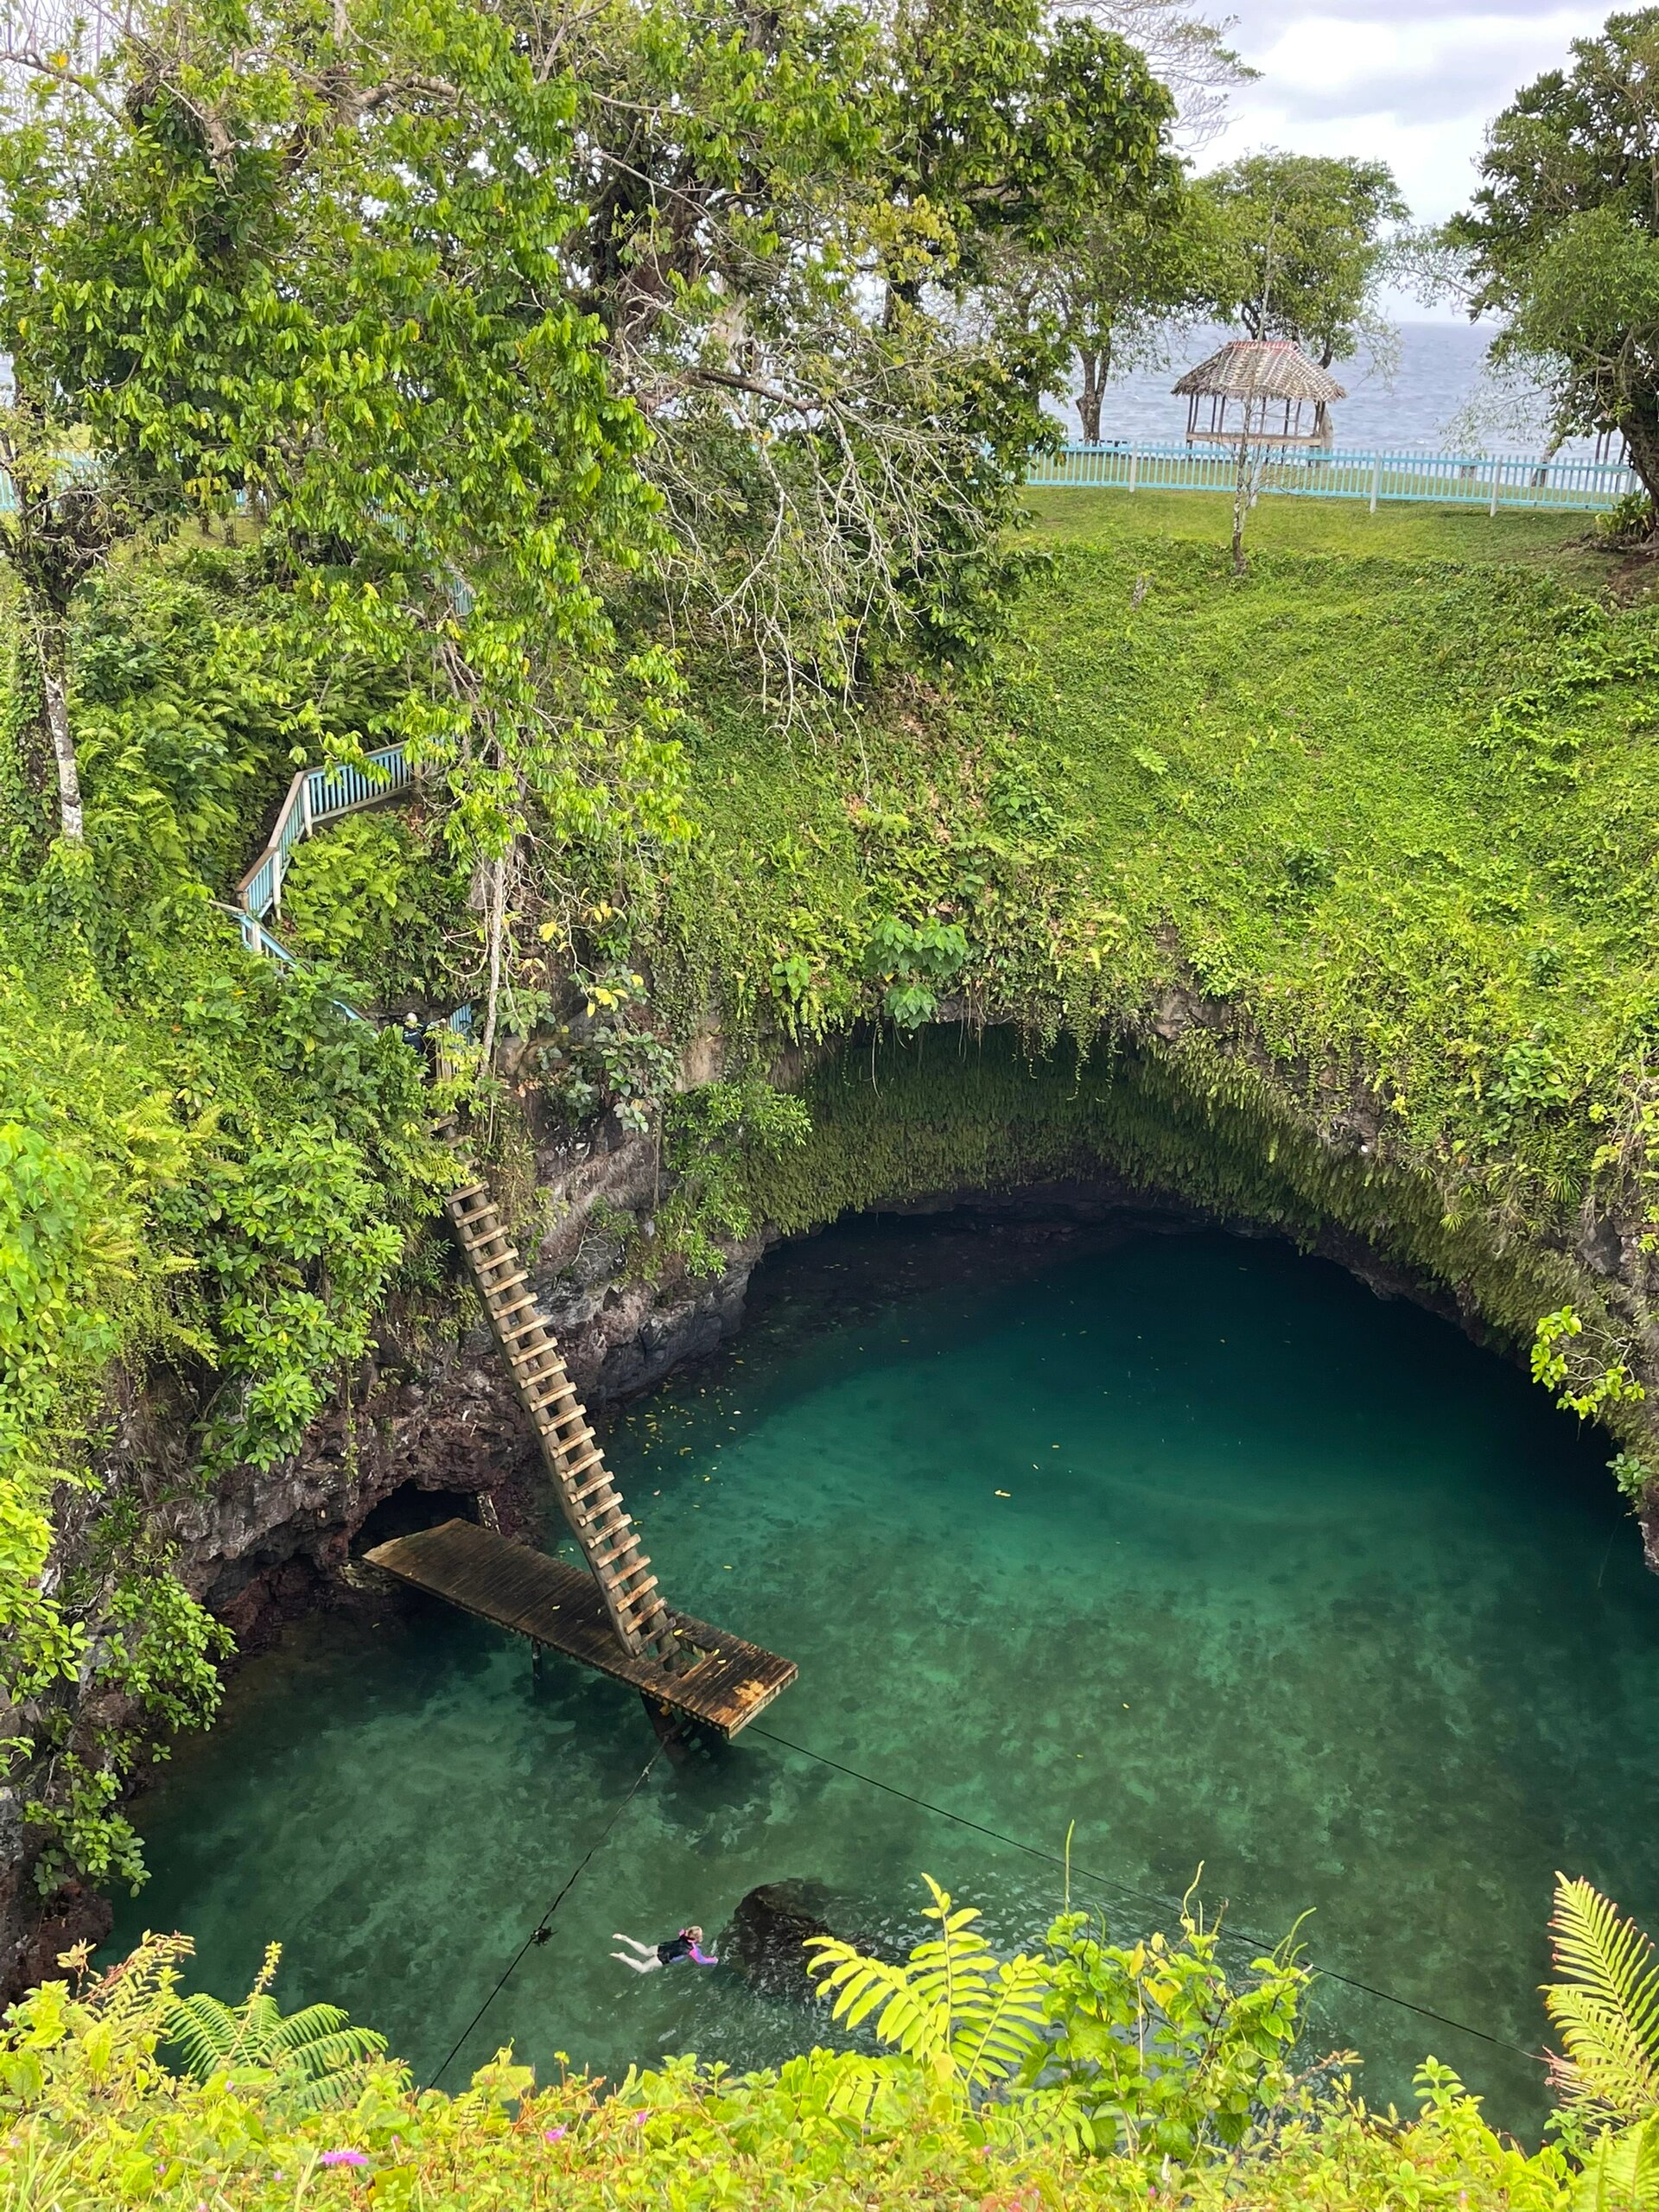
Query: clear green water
(1290, 1581)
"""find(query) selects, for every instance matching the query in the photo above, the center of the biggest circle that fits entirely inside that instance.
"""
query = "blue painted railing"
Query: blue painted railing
(259, 938)
(1488, 481)
(315, 796)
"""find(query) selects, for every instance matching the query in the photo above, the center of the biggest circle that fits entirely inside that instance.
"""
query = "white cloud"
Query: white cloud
(1393, 80)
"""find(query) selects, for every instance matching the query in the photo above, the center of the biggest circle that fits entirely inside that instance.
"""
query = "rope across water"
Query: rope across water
(1013, 1843)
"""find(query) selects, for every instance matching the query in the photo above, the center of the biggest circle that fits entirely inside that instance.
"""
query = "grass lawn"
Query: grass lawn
(1563, 542)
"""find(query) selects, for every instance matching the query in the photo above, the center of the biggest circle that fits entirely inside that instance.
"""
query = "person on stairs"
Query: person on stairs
(685, 1945)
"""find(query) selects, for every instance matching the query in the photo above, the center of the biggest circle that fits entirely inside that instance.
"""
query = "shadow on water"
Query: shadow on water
(1186, 1538)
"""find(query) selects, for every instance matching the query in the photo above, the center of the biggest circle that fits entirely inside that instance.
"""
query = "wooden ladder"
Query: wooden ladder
(592, 1503)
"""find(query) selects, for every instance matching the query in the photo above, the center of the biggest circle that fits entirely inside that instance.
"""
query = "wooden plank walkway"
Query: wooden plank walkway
(723, 1687)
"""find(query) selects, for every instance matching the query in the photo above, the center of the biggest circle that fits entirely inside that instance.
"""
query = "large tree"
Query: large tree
(1135, 273)
(806, 226)
(1301, 244)
(1562, 238)
(309, 261)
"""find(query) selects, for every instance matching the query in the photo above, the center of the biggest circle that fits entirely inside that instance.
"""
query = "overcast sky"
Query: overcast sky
(1410, 80)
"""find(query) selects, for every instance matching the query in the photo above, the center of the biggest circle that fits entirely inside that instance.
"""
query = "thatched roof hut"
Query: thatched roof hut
(1258, 388)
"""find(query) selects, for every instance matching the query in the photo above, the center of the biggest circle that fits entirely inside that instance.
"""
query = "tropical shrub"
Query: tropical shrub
(205, 1169)
(94, 2116)
(1145, 2048)
(378, 897)
(308, 2059)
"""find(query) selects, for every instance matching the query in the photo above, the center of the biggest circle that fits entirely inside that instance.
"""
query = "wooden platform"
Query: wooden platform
(562, 1607)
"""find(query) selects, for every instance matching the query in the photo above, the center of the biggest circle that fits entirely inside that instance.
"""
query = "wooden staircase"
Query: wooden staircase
(592, 1503)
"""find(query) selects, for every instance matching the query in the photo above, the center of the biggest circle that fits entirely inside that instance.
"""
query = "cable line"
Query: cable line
(540, 1932)
(1146, 1897)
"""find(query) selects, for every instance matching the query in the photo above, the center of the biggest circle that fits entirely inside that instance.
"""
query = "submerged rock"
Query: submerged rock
(766, 1941)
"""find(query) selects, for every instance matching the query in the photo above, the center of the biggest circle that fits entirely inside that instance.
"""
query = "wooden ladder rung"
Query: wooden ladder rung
(553, 1372)
(538, 1403)
(628, 1542)
(561, 1420)
(627, 1603)
(587, 1488)
(511, 1282)
(524, 1328)
(558, 1431)
(561, 1445)
(569, 1474)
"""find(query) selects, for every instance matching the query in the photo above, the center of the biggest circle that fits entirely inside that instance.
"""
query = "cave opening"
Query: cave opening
(409, 1508)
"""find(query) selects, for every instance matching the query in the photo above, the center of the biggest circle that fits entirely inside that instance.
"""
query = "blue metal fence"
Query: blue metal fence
(318, 795)
(1488, 481)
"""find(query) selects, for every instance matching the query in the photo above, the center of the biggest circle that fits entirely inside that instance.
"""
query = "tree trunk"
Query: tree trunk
(1642, 436)
(1089, 398)
(1241, 501)
(495, 922)
(53, 645)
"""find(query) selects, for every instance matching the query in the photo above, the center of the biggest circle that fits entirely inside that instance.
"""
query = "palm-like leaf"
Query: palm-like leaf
(1622, 2172)
(1606, 2010)
(955, 2006)
(316, 2054)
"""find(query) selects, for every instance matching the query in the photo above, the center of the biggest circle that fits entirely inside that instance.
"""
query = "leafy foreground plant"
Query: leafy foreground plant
(1147, 2047)
(311, 2058)
(91, 2117)
(1608, 2075)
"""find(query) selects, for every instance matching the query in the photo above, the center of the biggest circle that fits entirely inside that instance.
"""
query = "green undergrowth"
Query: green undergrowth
(95, 2115)
(211, 1181)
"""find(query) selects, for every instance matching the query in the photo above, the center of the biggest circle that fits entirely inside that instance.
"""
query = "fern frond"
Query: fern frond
(1608, 2011)
(910, 2017)
(1622, 2173)
(318, 2027)
(954, 2001)
(327, 2091)
(333, 2053)
(256, 2025)
(1000, 2032)
(204, 2030)
(854, 2089)
(315, 2047)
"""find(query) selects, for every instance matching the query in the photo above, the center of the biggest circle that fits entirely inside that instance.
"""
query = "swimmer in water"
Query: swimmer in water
(685, 1945)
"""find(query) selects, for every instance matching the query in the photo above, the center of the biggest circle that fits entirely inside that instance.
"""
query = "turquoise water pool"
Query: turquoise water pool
(1186, 1538)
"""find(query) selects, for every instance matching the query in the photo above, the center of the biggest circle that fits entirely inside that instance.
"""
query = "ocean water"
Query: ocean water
(1186, 1540)
(1436, 393)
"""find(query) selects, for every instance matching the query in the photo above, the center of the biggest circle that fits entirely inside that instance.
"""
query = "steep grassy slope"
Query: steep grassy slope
(1388, 824)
